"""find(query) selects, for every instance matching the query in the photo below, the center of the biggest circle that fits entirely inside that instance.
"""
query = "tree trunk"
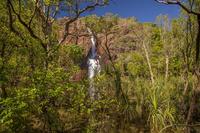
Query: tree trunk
(198, 40)
(167, 67)
(148, 61)
(196, 92)
(3, 87)
(186, 83)
(119, 93)
(194, 102)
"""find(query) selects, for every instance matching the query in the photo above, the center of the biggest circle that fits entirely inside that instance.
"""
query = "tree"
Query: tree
(44, 15)
(192, 8)
(29, 49)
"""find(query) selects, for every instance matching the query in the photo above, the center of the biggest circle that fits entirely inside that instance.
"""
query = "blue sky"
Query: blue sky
(143, 10)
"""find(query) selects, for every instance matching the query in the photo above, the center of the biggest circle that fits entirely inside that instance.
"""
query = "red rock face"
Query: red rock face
(79, 35)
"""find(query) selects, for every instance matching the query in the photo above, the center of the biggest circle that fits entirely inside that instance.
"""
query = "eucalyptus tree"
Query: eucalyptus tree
(166, 39)
(34, 22)
(9, 46)
(191, 7)
(43, 13)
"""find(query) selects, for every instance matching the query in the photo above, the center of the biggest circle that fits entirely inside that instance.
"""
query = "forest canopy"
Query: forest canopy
(63, 70)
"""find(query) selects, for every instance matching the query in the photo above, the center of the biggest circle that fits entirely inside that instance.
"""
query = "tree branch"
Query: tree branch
(34, 12)
(189, 11)
(25, 25)
(177, 2)
(78, 13)
(11, 23)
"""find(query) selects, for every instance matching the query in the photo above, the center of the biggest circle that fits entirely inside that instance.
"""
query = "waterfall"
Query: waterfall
(93, 65)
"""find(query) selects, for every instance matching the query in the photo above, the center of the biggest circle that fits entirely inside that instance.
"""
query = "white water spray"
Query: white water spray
(93, 65)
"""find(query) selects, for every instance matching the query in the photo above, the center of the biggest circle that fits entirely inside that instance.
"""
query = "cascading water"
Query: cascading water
(93, 65)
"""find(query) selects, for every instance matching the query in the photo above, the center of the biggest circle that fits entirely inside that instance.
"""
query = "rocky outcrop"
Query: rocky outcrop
(122, 41)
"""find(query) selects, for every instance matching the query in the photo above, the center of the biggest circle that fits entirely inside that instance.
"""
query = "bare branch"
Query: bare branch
(55, 13)
(177, 2)
(78, 13)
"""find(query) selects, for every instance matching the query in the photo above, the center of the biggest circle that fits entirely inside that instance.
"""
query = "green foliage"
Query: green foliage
(37, 79)
(161, 107)
(136, 66)
(74, 52)
(15, 110)
(103, 24)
